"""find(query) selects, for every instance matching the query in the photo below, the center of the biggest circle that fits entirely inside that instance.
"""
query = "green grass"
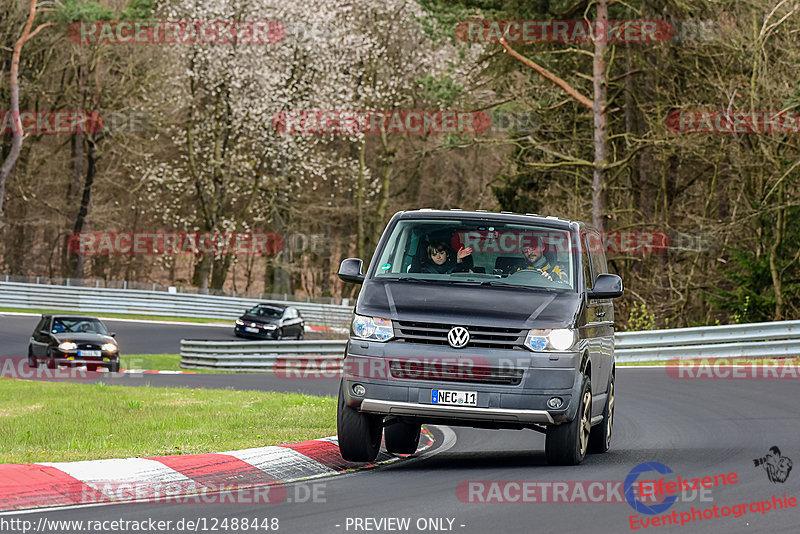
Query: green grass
(161, 362)
(165, 362)
(57, 421)
(119, 315)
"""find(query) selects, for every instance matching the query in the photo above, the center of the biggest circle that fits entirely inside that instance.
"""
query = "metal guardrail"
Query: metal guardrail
(133, 301)
(754, 340)
(154, 286)
(269, 356)
(757, 340)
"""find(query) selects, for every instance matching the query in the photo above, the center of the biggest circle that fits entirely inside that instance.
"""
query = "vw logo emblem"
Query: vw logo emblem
(458, 337)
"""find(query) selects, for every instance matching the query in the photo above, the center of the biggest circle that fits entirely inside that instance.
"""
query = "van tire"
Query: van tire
(402, 438)
(600, 438)
(359, 433)
(566, 444)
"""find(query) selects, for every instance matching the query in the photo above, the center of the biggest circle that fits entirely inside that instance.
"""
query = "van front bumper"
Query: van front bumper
(523, 403)
(459, 412)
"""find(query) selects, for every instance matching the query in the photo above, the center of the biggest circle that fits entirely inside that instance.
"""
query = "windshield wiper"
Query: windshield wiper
(506, 284)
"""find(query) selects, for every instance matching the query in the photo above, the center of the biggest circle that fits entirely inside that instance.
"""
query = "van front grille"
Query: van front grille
(479, 336)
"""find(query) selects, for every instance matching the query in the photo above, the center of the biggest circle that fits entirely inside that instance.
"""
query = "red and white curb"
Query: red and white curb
(159, 478)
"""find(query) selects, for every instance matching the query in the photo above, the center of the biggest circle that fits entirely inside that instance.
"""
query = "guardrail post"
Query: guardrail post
(124, 284)
(67, 281)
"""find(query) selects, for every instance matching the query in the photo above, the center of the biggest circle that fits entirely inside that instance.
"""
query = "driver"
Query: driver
(535, 260)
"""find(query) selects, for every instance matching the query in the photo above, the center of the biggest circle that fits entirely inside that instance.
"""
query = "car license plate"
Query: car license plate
(454, 398)
(251, 329)
(90, 353)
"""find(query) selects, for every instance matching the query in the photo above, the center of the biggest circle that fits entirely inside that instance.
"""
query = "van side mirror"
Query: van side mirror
(606, 286)
(112, 334)
(350, 270)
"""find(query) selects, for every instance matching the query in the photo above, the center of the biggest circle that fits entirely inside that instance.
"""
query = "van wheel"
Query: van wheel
(600, 438)
(566, 444)
(359, 433)
(113, 367)
(402, 438)
(32, 363)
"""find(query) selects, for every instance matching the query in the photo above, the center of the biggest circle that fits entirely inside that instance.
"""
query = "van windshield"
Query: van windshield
(501, 254)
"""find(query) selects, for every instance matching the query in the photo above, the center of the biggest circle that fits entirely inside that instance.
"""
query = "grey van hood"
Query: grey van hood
(468, 305)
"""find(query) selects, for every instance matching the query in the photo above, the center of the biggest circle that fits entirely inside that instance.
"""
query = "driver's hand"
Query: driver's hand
(545, 274)
(464, 252)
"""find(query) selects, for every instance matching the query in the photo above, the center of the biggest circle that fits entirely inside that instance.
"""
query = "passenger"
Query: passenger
(536, 260)
(442, 261)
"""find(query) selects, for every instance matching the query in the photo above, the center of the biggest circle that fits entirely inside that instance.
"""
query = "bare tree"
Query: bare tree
(16, 144)
(597, 105)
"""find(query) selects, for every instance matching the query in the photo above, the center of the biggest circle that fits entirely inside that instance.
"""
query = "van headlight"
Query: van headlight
(372, 328)
(558, 339)
(239, 322)
(109, 347)
(67, 345)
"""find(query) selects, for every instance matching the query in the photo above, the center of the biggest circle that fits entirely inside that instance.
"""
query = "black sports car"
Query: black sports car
(270, 321)
(73, 340)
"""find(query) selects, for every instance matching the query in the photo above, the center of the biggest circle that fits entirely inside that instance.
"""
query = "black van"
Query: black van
(488, 320)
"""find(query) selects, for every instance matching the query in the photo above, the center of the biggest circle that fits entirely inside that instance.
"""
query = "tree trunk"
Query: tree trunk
(16, 143)
(387, 160)
(86, 198)
(359, 194)
(777, 282)
(599, 113)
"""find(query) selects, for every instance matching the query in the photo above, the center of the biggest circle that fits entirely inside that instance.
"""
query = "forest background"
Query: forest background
(587, 133)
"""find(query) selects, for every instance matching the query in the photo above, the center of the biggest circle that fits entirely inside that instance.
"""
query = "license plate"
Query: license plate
(251, 329)
(94, 353)
(454, 398)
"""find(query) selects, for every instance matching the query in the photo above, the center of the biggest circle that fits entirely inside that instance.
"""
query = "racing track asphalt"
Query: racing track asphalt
(134, 337)
(695, 427)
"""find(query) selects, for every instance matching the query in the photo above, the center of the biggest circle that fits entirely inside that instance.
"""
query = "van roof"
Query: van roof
(507, 216)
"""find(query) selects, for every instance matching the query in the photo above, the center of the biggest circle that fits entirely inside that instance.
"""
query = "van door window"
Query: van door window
(587, 263)
(598, 256)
